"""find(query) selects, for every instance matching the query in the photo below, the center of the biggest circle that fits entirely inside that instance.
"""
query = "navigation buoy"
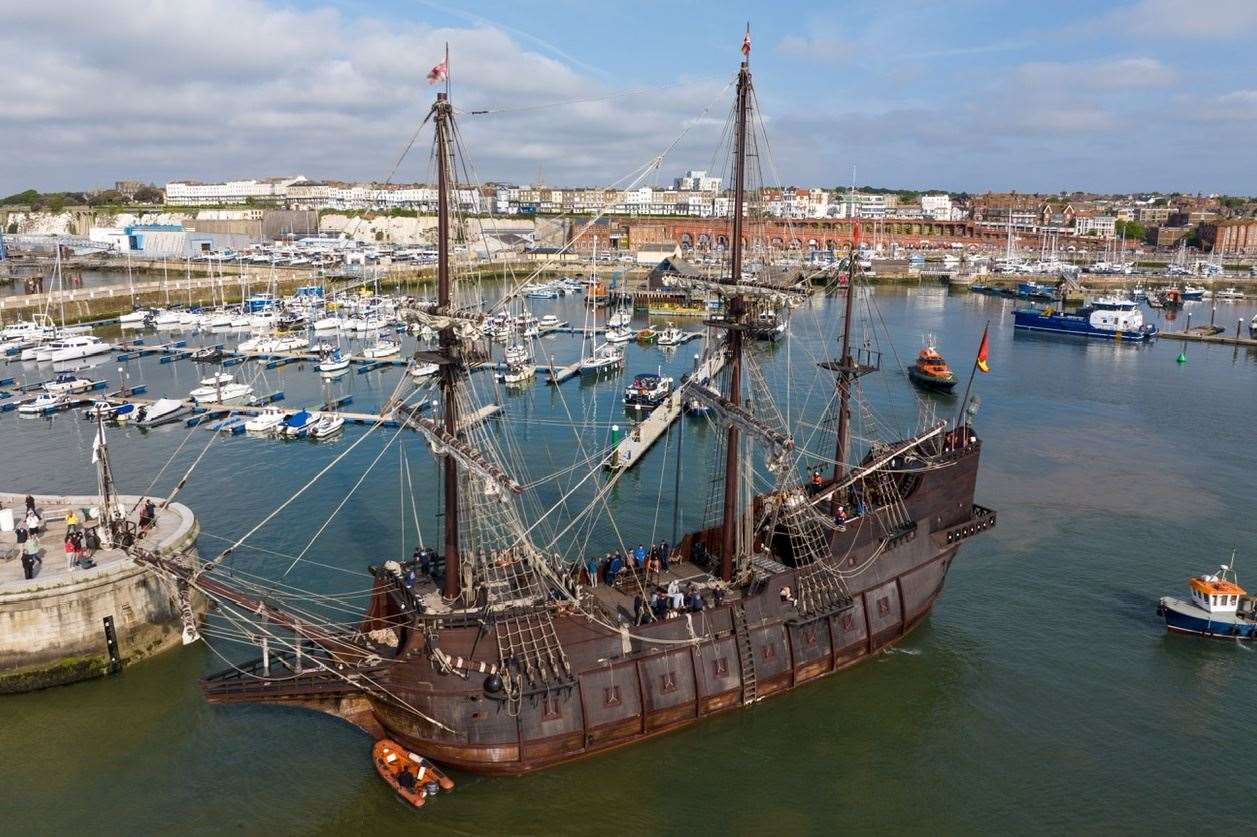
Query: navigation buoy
(1182, 357)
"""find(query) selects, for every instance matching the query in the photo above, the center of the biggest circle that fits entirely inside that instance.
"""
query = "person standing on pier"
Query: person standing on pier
(30, 552)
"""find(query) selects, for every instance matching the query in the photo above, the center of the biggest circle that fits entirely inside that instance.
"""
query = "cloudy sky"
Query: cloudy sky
(962, 94)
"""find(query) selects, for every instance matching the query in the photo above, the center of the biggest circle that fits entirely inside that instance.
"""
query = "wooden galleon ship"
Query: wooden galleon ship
(520, 660)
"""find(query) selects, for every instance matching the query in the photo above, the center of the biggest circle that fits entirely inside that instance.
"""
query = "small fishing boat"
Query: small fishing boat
(1193, 292)
(413, 777)
(265, 421)
(671, 336)
(424, 370)
(647, 391)
(1218, 607)
(45, 403)
(382, 348)
(162, 411)
(298, 423)
(647, 335)
(931, 371)
(328, 425)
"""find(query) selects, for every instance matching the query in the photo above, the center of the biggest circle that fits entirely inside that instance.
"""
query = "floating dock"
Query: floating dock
(641, 436)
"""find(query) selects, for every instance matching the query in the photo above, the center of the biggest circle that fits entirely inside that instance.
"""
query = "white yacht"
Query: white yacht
(75, 348)
(266, 421)
(604, 357)
(382, 348)
(45, 403)
(221, 393)
(424, 370)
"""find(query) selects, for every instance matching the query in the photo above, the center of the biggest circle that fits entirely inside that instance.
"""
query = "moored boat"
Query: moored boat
(1217, 607)
(647, 391)
(413, 777)
(1109, 318)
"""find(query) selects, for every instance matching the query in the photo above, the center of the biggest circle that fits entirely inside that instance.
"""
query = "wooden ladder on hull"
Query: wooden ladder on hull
(746, 655)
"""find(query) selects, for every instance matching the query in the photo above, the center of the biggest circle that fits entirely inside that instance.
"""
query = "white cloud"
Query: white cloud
(1082, 77)
(1199, 19)
(817, 49)
(107, 89)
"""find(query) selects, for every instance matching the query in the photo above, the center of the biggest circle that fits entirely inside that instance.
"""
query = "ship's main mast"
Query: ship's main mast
(729, 530)
(442, 113)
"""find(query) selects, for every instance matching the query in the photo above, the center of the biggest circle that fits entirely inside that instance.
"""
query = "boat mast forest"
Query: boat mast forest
(511, 649)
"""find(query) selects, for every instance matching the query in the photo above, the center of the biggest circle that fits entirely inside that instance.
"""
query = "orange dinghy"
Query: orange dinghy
(412, 776)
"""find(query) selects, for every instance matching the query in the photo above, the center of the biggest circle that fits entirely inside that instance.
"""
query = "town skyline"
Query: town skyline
(1115, 97)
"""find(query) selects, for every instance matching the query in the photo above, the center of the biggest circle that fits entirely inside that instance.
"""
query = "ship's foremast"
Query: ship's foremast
(732, 486)
(450, 363)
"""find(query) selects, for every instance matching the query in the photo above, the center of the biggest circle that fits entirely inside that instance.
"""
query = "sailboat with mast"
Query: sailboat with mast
(496, 655)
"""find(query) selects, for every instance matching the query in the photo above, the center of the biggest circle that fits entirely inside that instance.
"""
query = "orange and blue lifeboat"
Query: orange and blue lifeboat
(931, 371)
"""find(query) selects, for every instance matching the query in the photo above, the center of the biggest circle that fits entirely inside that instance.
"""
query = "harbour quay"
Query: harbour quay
(65, 625)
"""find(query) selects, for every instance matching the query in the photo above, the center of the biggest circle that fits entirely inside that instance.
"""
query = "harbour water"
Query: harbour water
(1041, 695)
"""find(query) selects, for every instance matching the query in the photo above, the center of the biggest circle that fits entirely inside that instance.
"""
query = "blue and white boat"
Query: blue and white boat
(1218, 608)
(1035, 290)
(1108, 317)
(298, 423)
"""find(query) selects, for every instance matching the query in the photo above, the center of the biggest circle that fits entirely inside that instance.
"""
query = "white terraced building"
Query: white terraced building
(195, 193)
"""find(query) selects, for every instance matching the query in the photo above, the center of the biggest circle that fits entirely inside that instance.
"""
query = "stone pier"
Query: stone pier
(52, 627)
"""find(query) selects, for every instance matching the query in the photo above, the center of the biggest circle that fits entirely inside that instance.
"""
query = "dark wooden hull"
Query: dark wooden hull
(665, 683)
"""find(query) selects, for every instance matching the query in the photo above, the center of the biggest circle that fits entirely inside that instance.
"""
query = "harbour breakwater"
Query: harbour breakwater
(54, 628)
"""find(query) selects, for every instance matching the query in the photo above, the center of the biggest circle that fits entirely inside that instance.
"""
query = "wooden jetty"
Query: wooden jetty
(641, 436)
(1216, 339)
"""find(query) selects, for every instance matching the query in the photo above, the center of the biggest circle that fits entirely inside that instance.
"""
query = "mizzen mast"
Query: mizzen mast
(442, 114)
(737, 309)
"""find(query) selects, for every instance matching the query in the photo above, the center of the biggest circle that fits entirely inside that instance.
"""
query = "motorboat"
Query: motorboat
(138, 318)
(382, 348)
(266, 421)
(327, 324)
(110, 412)
(68, 382)
(327, 425)
(221, 393)
(647, 391)
(290, 343)
(161, 411)
(298, 423)
(647, 335)
(424, 370)
(1229, 293)
(76, 348)
(163, 317)
(548, 321)
(26, 330)
(671, 336)
(45, 403)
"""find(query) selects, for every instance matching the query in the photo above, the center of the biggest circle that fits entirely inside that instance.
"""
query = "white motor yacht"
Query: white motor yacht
(76, 348)
(221, 393)
(266, 421)
(382, 348)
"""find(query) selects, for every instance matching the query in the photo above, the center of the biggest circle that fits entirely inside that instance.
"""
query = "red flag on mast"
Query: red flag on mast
(746, 43)
(439, 73)
(983, 350)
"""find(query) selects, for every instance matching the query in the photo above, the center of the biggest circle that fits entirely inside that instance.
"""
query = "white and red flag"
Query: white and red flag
(439, 73)
(746, 44)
